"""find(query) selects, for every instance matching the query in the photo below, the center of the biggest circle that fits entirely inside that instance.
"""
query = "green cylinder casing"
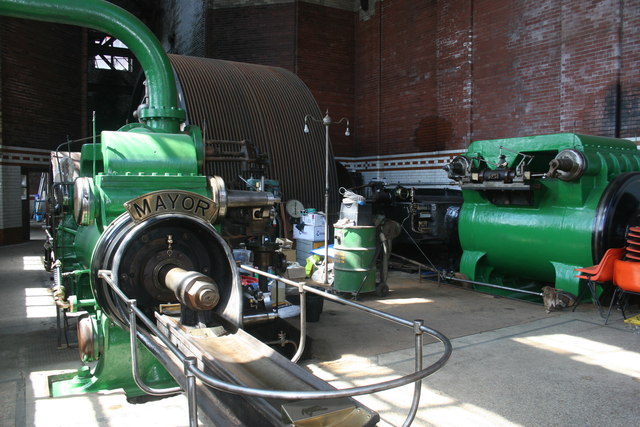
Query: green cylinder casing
(547, 239)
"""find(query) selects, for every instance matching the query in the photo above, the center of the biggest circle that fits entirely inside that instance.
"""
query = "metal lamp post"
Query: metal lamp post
(326, 122)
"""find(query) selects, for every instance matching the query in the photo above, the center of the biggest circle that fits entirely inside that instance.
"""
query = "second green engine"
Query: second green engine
(536, 208)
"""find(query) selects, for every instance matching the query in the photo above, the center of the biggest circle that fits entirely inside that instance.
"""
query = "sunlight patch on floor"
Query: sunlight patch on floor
(404, 301)
(32, 263)
(39, 303)
(436, 408)
(587, 351)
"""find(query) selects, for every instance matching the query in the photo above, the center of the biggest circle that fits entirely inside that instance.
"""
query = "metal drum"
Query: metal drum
(235, 101)
(355, 259)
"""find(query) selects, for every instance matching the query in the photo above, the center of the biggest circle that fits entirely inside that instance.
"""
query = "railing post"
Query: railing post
(303, 324)
(419, 336)
(189, 364)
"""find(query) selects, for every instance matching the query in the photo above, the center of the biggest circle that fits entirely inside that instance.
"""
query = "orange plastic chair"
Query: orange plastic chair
(626, 277)
(599, 273)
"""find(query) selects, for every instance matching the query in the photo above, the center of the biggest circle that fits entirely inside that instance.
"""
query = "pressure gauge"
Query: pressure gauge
(294, 208)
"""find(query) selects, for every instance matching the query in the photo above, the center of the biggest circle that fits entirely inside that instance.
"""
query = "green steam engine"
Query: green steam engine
(143, 209)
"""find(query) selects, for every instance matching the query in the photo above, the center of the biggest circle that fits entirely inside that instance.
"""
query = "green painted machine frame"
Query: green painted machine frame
(126, 165)
(536, 208)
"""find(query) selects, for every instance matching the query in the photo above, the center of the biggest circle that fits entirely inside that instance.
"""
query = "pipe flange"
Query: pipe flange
(219, 194)
(83, 201)
(162, 112)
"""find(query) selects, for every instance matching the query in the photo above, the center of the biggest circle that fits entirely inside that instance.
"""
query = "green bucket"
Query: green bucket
(354, 259)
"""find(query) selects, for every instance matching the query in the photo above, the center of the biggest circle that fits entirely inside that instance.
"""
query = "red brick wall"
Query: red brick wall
(534, 46)
(417, 76)
(515, 68)
(426, 75)
(553, 66)
(496, 68)
(494, 74)
(453, 78)
(590, 65)
(41, 83)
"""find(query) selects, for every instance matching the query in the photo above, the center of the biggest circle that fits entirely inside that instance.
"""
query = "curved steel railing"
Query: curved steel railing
(192, 372)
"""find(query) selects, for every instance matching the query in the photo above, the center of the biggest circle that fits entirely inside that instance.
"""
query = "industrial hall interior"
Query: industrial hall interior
(319, 213)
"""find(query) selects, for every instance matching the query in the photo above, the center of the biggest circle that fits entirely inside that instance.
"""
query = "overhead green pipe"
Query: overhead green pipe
(162, 113)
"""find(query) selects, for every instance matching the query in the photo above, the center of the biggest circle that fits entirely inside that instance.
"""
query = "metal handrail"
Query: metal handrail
(191, 370)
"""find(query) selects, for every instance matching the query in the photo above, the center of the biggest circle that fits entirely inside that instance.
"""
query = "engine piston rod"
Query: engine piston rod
(193, 289)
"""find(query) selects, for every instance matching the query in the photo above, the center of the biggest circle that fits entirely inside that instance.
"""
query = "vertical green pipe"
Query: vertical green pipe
(163, 113)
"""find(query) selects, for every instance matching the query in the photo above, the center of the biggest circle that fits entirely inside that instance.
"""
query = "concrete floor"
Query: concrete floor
(513, 364)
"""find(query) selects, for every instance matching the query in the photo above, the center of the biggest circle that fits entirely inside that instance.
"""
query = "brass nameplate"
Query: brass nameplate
(171, 201)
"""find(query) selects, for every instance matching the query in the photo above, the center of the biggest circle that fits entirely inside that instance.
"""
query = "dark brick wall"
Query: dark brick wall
(324, 61)
(259, 34)
(41, 83)
(396, 92)
(367, 99)
(313, 41)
